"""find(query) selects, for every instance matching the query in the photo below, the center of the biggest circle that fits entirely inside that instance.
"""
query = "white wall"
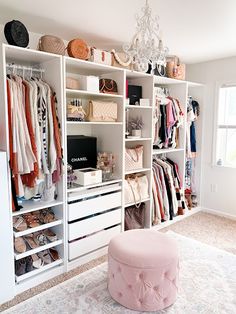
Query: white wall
(212, 73)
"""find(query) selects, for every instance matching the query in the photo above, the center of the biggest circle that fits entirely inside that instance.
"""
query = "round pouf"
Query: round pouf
(143, 269)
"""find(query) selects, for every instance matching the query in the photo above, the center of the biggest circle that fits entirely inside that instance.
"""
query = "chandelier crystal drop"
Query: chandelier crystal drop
(146, 47)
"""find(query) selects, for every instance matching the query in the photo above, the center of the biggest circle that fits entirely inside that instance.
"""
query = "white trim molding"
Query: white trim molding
(218, 213)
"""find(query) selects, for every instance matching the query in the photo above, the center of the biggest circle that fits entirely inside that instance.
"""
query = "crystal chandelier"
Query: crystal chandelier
(146, 48)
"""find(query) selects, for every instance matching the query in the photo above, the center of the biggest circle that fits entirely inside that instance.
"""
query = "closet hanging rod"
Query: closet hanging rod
(21, 67)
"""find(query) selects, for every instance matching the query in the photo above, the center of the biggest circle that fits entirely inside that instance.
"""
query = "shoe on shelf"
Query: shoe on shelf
(37, 261)
(54, 254)
(29, 264)
(20, 267)
(45, 256)
(32, 220)
(51, 236)
(40, 239)
(30, 241)
(19, 223)
(19, 244)
(46, 216)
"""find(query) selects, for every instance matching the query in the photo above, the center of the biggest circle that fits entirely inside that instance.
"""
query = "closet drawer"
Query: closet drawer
(94, 224)
(94, 205)
(92, 242)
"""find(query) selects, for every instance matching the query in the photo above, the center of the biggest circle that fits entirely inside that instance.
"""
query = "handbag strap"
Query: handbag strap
(124, 64)
(105, 86)
(140, 200)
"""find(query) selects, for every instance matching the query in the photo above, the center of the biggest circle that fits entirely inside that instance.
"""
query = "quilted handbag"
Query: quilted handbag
(175, 69)
(101, 56)
(72, 83)
(52, 44)
(100, 111)
(16, 34)
(121, 60)
(136, 189)
(107, 86)
(134, 158)
(78, 48)
(135, 217)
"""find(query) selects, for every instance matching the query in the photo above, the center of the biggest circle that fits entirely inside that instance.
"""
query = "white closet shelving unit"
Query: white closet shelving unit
(85, 224)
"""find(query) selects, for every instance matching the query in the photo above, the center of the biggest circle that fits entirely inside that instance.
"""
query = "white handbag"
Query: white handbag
(100, 111)
(136, 189)
(134, 158)
(101, 56)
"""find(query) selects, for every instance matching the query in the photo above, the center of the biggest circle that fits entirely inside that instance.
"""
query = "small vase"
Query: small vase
(137, 133)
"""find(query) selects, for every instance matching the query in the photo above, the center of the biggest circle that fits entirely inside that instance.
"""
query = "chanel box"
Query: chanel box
(81, 151)
(89, 83)
(88, 176)
(134, 94)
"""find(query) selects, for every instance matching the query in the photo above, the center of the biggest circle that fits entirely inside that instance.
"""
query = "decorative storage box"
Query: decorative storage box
(82, 151)
(134, 94)
(88, 176)
(89, 83)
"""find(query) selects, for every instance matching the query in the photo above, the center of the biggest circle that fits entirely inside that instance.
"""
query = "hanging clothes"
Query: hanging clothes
(167, 191)
(34, 138)
(193, 111)
(168, 118)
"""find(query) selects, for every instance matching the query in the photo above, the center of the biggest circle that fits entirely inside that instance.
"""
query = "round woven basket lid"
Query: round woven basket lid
(16, 34)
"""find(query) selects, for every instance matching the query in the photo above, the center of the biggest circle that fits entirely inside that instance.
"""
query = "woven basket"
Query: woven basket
(77, 48)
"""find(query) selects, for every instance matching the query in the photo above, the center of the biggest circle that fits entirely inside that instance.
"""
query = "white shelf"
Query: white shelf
(38, 249)
(137, 107)
(87, 93)
(82, 188)
(137, 170)
(30, 206)
(38, 271)
(138, 139)
(142, 201)
(92, 123)
(177, 218)
(166, 150)
(41, 227)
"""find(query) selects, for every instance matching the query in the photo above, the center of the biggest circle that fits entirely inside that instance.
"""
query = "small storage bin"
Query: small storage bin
(87, 176)
(89, 83)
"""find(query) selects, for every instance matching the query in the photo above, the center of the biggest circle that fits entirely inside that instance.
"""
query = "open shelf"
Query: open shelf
(92, 123)
(18, 234)
(75, 92)
(82, 188)
(166, 150)
(38, 249)
(137, 107)
(30, 206)
(137, 170)
(142, 201)
(38, 271)
(138, 139)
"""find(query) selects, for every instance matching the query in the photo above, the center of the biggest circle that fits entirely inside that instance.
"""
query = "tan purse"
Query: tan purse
(72, 83)
(134, 158)
(121, 60)
(175, 69)
(136, 189)
(52, 44)
(135, 217)
(78, 48)
(100, 111)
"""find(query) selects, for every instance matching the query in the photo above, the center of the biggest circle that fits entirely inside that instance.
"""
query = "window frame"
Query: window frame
(217, 126)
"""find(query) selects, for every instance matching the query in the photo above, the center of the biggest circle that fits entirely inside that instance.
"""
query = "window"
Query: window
(226, 127)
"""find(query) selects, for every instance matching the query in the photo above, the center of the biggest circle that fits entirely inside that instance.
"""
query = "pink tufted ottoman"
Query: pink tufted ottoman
(143, 267)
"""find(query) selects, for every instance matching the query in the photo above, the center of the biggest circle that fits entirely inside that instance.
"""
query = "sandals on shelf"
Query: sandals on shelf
(46, 216)
(40, 239)
(51, 236)
(45, 256)
(54, 254)
(37, 261)
(19, 245)
(19, 223)
(30, 241)
(32, 220)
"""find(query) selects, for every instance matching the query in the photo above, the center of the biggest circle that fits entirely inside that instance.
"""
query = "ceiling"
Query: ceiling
(196, 31)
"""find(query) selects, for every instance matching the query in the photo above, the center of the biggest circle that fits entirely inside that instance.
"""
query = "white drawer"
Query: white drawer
(89, 225)
(92, 206)
(92, 242)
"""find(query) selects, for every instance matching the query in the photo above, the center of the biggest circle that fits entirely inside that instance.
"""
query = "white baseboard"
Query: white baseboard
(218, 213)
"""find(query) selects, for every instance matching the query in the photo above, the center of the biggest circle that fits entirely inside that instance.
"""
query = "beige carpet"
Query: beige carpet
(212, 230)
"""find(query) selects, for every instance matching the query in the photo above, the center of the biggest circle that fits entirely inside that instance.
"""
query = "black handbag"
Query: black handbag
(16, 34)
(160, 70)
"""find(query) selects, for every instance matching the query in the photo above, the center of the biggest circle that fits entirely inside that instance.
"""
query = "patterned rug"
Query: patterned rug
(207, 278)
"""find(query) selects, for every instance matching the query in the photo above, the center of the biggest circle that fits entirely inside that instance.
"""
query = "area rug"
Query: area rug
(207, 286)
